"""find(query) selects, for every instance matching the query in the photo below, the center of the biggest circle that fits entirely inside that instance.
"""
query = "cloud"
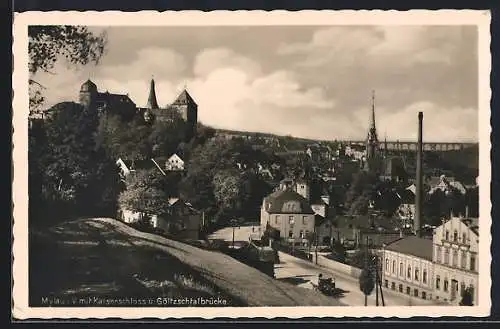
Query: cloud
(305, 81)
(163, 63)
(230, 93)
(211, 59)
(399, 46)
(439, 124)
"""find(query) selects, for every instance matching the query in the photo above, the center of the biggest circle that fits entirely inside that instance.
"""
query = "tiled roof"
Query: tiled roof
(412, 245)
(184, 98)
(275, 201)
(114, 99)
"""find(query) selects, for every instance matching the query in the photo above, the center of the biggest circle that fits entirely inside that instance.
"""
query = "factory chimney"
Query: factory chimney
(418, 197)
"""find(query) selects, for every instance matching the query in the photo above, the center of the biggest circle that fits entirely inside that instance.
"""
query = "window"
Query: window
(446, 256)
(301, 234)
(438, 254)
(304, 220)
(401, 269)
(400, 288)
(387, 265)
(455, 236)
(393, 285)
(386, 284)
(424, 295)
(472, 262)
(408, 290)
(409, 272)
(463, 260)
(290, 234)
(438, 282)
(416, 274)
(277, 219)
(291, 220)
(445, 288)
(447, 236)
(424, 276)
(464, 238)
(415, 292)
(455, 258)
(393, 266)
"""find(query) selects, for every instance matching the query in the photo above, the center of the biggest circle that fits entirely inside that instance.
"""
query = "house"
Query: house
(408, 268)
(180, 219)
(445, 184)
(289, 212)
(456, 248)
(124, 168)
(174, 163)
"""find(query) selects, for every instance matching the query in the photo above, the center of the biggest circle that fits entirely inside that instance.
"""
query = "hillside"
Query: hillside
(104, 257)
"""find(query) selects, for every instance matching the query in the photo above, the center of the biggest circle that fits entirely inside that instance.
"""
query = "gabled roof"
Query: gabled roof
(275, 201)
(184, 98)
(175, 156)
(114, 99)
(412, 245)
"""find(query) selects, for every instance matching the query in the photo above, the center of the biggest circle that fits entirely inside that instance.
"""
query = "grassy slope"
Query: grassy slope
(106, 257)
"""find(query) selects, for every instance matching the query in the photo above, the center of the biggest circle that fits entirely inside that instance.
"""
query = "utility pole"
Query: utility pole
(316, 250)
(381, 292)
(366, 267)
(376, 281)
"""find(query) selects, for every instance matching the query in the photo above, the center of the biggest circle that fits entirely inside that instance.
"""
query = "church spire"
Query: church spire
(152, 103)
(372, 119)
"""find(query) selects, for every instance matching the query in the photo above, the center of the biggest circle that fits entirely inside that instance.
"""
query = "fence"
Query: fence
(337, 266)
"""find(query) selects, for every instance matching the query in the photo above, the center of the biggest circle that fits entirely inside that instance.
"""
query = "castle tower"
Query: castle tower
(88, 94)
(372, 144)
(188, 109)
(152, 103)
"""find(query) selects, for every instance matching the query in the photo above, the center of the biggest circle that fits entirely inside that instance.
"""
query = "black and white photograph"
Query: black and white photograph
(224, 164)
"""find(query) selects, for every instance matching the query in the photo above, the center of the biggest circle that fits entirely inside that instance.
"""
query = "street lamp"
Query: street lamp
(233, 224)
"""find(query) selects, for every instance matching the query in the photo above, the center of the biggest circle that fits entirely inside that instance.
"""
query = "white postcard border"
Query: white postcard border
(20, 308)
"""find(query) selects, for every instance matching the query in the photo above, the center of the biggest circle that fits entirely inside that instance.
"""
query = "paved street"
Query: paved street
(301, 273)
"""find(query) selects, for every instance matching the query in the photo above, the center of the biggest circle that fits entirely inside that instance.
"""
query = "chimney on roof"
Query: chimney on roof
(419, 184)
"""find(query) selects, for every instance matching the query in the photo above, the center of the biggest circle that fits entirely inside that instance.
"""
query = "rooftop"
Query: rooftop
(275, 203)
(412, 245)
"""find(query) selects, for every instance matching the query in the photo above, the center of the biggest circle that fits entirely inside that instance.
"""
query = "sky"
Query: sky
(306, 81)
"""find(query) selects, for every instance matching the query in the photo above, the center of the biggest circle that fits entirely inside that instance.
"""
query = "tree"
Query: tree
(270, 233)
(467, 297)
(144, 193)
(366, 282)
(339, 251)
(227, 191)
(50, 43)
(76, 173)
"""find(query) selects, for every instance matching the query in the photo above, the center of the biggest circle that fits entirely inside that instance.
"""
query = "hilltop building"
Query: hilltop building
(184, 106)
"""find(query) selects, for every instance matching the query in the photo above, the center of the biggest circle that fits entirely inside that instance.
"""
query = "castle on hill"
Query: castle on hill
(184, 106)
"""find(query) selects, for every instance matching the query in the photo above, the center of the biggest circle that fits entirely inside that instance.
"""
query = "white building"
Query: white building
(174, 163)
(455, 259)
(407, 267)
